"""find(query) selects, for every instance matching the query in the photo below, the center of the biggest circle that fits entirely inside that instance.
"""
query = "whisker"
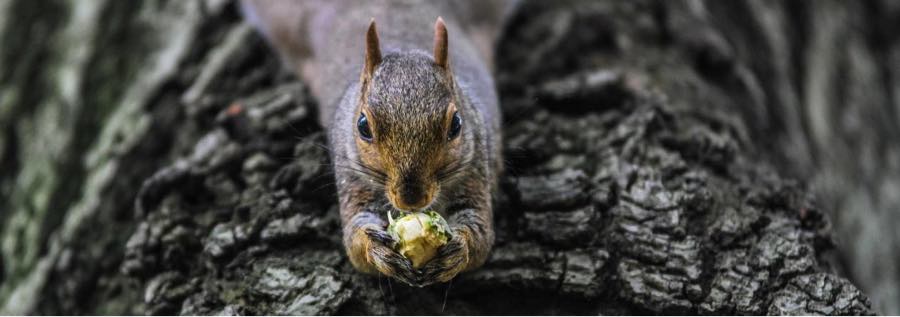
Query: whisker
(391, 290)
(360, 167)
(446, 295)
(329, 184)
(453, 169)
(383, 297)
(366, 172)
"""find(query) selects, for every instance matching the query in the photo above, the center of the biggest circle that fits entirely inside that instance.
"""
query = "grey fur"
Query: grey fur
(408, 98)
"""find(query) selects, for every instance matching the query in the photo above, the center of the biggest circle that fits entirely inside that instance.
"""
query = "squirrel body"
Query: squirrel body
(411, 114)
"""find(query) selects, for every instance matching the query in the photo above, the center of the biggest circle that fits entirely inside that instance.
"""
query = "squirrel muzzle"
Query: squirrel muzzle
(411, 192)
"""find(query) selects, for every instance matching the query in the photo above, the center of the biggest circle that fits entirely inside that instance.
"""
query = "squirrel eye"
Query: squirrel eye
(362, 124)
(455, 126)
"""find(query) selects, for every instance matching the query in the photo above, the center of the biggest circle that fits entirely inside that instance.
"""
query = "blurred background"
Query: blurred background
(815, 83)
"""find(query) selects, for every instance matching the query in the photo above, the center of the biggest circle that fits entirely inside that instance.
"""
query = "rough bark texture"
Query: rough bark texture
(157, 159)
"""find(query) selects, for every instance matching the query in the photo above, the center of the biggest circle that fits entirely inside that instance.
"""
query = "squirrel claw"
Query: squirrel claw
(451, 259)
(387, 261)
(380, 236)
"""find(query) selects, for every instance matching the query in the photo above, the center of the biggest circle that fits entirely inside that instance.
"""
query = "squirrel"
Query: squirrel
(411, 115)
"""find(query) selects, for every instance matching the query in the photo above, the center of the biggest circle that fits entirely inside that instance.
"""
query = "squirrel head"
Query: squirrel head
(409, 131)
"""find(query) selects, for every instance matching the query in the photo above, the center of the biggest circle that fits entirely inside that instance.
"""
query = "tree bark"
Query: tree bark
(159, 159)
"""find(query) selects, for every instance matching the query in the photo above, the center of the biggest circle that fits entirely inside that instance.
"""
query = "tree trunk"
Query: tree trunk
(156, 158)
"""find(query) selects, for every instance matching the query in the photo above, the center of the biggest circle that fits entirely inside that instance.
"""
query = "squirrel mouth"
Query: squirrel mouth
(412, 207)
(412, 199)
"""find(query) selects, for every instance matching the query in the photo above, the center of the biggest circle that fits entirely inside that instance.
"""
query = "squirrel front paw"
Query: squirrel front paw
(451, 259)
(371, 252)
(387, 261)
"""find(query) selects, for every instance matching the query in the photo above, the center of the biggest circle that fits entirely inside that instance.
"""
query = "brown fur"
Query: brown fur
(409, 93)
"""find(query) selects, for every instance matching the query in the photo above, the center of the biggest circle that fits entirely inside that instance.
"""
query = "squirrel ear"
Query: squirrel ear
(373, 51)
(440, 44)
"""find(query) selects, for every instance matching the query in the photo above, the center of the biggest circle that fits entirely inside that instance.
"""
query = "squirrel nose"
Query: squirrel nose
(412, 194)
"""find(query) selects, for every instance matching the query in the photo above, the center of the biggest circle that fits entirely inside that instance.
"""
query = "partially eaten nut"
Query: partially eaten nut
(419, 235)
